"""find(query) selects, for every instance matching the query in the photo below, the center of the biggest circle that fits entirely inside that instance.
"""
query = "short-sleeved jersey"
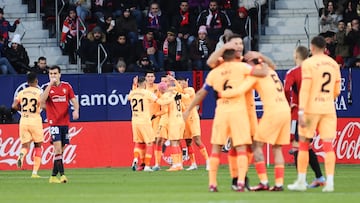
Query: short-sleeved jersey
(320, 84)
(190, 91)
(57, 104)
(140, 102)
(154, 89)
(271, 92)
(228, 75)
(29, 100)
(174, 107)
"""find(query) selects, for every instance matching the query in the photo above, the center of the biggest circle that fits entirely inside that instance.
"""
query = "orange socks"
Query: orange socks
(214, 165)
(158, 154)
(279, 175)
(232, 159)
(37, 159)
(148, 154)
(330, 159)
(303, 157)
(203, 151)
(242, 163)
(261, 172)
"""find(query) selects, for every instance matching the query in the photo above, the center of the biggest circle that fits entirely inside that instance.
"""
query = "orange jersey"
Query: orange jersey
(29, 100)
(226, 76)
(141, 101)
(190, 91)
(272, 93)
(320, 84)
(174, 107)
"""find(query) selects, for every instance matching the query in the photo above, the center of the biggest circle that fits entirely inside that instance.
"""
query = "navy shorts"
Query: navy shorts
(60, 133)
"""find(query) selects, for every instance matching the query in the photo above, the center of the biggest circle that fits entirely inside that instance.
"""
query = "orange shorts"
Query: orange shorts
(253, 121)
(231, 124)
(30, 133)
(143, 133)
(162, 132)
(274, 128)
(325, 124)
(192, 128)
(176, 131)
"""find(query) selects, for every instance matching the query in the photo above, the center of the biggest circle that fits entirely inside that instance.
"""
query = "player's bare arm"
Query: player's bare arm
(75, 113)
(252, 55)
(213, 59)
(199, 97)
(45, 94)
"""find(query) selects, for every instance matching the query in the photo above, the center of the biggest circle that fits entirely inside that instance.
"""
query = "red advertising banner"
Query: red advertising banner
(109, 144)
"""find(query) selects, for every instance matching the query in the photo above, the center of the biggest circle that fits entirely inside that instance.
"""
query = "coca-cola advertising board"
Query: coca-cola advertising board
(109, 144)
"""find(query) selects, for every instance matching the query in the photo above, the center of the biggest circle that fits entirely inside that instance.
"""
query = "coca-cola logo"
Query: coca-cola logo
(10, 149)
(346, 144)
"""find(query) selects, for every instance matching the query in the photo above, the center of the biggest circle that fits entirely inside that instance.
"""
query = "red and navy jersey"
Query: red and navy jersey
(292, 88)
(57, 104)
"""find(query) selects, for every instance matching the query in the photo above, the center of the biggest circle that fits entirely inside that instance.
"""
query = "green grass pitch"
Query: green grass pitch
(123, 185)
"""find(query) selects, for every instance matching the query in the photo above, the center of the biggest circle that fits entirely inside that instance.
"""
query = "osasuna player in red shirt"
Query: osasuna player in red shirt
(57, 96)
(292, 88)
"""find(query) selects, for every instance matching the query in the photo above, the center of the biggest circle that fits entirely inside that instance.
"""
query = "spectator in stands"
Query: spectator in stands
(330, 18)
(153, 50)
(196, 6)
(223, 38)
(144, 65)
(122, 49)
(6, 115)
(175, 52)
(68, 41)
(127, 23)
(135, 7)
(330, 44)
(41, 66)
(88, 49)
(156, 21)
(200, 50)
(252, 9)
(83, 8)
(185, 23)
(100, 7)
(353, 41)
(229, 6)
(5, 66)
(17, 55)
(216, 21)
(120, 66)
(108, 27)
(6, 27)
(350, 11)
(238, 26)
(342, 50)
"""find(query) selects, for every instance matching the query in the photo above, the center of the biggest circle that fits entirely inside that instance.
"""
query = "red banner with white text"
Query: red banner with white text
(109, 144)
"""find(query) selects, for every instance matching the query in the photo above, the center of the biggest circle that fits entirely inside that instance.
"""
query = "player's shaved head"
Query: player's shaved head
(229, 55)
(319, 42)
(302, 52)
(141, 80)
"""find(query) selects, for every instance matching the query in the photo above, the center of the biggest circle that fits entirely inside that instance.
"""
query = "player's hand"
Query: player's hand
(177, 96)
(135, 80)
(292, 105)
(171, 78)
(75, 114)
(53, 81)
(17, 21)
(153, 117)
(302, 121)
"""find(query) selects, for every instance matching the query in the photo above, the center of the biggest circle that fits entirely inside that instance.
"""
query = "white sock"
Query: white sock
(302, 177)
(330, 179)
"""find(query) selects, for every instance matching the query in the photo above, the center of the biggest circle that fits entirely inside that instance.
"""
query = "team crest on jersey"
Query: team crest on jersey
(64, 90)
